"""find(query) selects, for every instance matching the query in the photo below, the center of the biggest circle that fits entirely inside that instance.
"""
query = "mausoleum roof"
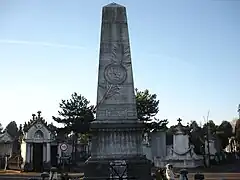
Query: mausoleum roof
(37, 119)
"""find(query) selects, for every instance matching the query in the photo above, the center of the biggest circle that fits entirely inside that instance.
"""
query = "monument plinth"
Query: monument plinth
(117, 132)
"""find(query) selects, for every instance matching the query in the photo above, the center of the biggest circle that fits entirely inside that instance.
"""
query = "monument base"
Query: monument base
(136, 168)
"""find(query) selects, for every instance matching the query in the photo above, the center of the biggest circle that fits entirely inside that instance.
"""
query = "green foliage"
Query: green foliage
(169, 135)
(194, 126)
(20, 133)
(12, 129)
(147, 109)
(212, 127)
(84, 138)
(76, 114)
(147, 105)
(156, 125)
(25, 127)
(237, 130)
(237, 134)
(196, 137)
(224, 132)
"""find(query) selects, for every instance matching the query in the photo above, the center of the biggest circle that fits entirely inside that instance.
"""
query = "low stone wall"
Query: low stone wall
(178, 163)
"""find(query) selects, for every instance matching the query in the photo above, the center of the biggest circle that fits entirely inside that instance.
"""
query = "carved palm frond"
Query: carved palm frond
(114, 52)
(127, 54)
(113, 91)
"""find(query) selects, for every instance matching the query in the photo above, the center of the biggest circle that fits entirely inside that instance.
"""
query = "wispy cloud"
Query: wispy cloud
(46, 44)
(171, 58)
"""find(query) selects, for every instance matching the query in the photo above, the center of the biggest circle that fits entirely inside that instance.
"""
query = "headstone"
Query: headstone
(180, 140)
(158, 143)
(117, 133)
(182, 153)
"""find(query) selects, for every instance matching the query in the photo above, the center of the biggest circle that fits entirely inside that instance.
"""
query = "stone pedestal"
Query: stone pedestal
(137, 167)
(118, 142)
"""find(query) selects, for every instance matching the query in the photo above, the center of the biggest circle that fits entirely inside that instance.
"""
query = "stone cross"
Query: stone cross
(179, 120)
(39, 114)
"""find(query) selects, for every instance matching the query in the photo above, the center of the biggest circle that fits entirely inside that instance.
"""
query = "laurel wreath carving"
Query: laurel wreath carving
(120, 55)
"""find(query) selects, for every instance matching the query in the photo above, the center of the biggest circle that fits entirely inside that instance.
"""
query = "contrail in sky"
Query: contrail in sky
(46, 44)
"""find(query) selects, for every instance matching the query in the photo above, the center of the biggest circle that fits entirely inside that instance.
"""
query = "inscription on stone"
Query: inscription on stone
(117, 113)
(101, 113)
(132, 114)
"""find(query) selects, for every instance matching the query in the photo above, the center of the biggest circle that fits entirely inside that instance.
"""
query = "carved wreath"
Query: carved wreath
(181, 154)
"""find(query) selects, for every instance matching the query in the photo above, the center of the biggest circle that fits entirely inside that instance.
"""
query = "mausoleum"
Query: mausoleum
(181, 153)
(42, 146)
(38, 147)
(6, 144)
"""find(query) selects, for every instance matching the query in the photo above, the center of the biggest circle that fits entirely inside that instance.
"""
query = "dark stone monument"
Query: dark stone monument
(117, 133)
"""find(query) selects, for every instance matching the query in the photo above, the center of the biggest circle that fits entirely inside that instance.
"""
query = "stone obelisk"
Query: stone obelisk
(116, 132)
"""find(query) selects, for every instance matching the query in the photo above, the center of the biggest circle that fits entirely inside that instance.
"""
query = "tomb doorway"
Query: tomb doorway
(37, 157)
(54, 151)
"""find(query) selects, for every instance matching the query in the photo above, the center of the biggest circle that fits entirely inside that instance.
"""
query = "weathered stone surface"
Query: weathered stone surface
(137, 168)
(115, 96)
(117, 133)
(116, 102)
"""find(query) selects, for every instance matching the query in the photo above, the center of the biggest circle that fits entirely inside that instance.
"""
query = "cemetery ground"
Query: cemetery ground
(208, 176)
(220, 172)
(11, 174)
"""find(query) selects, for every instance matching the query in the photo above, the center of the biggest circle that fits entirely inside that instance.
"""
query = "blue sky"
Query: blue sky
(187, 52)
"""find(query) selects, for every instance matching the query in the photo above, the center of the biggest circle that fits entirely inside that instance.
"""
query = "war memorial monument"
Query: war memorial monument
(117, 133)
